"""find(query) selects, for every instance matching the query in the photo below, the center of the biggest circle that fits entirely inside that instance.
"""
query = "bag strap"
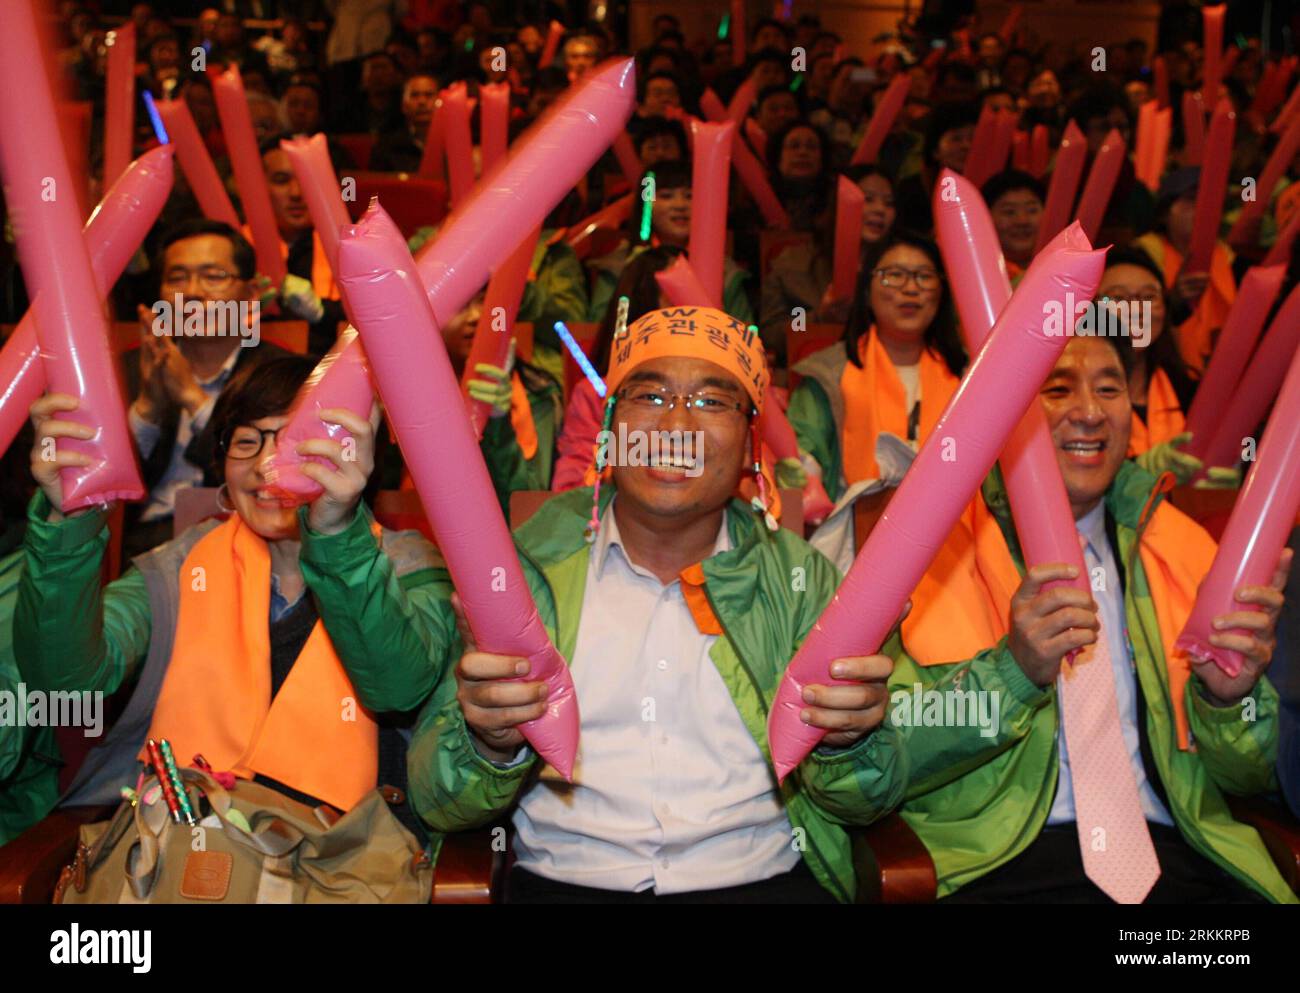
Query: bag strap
(275, 837)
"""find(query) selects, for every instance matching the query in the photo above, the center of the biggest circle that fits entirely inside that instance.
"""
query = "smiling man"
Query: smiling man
(1004, 824)
(678, 614)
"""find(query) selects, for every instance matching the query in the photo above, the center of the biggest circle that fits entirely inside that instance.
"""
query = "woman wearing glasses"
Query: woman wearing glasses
(895, 371)
(228, 631)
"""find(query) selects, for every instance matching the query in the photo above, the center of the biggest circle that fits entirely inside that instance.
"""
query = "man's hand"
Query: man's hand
(299, 297)
(353, 462)
(166, 378)
(850, 713)
(47, 458)
(1256, 644)
(493, 704)
(1046, 625)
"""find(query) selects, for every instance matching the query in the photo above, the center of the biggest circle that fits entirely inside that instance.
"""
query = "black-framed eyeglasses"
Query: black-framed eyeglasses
(645, 397)
(896, 277)
(240, 443)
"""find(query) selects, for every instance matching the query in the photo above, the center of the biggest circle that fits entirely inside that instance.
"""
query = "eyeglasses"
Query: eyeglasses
(896, 277)
(243, 444)
(644, 398)
(212, 278)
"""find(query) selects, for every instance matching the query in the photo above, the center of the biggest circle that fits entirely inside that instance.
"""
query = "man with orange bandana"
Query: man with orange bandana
(1001, 819)
(678, 609)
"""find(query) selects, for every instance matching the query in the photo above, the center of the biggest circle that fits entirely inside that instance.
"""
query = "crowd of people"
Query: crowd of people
(658, 582)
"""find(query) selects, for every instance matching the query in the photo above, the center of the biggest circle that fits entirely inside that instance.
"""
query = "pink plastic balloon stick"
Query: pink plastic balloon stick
(391, 309)
(494, 123)
(748, 168)
(431, 163)
(70, 322)
(1039, 152)
(241, 143)
(340, 380)
(496, 325)
(196, 163)
(460, 154)
(711, 170)
(1100, 184)
(1063, 185)
(682, 286)
(1211, 187)
(1259, 384)
(628, 162)
(310, 160)
(1160, 70)
(743, 99)
(737, 33)
(1283, 155)
(1259, 288)
(882, 120)
(1035, 489)
(1256, 532)
(119, 102)
(554, 32)
(1212, 27)
(114, 232)
(997, 389)
(1281, 250)
(542, 166)
(849, 207)
(1193, 128)
(979, 166)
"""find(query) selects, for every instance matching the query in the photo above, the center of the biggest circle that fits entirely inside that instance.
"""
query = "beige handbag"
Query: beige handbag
(256, 846)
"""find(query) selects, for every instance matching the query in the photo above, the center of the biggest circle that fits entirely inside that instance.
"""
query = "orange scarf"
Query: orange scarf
(875, 400)
(521, 417)
(1164, 416)
(962, 604)
(322, 277)
(216, 696)
(1195, 334)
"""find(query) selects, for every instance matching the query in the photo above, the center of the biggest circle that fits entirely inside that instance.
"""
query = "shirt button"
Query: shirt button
(662, 664)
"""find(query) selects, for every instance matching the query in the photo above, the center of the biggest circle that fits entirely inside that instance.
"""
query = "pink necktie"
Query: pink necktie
(1117, 851)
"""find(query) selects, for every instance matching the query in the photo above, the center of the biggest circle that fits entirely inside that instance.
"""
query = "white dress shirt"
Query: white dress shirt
(670, 789)
(1110, 599)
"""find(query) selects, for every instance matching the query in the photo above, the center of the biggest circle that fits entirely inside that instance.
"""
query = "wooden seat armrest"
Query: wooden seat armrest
(892, 864)
(1279, 830)
(31, 863)
(469, 869)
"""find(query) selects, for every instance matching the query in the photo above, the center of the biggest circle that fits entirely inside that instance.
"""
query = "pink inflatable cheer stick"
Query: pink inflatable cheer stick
(115, 230)
(1160, 70)
(119, 102)
(1009, 24)
(979, 164)
(612, 217)
(849, 207)
(496, 325)
(997, 389)
(1259, 384)
(1193, 129)
(554, 32)
(741, 101)
(241, 142)
(711, 168)
(757, 136)
(682, 286)
(628, 162)
(882, 120)
(1259, 288)
(1278, 163)
(1257, 530)
(196, 163)
(544, 164)
(70, 322)
(1035, 489)
(460, 154)
(494, 123)
(1211, 72)
(1145, 138)
(391, 309)
(340, 379)
(751, 172)
(737, 32)
(1063, 185)
(1281, 250)
(1210, 189)
(1020, 151)
(310, 160)
(1100, 184)
(431, 164)
(1039, 151)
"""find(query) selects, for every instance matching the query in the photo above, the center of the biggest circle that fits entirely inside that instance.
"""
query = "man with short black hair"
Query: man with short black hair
(401, 149)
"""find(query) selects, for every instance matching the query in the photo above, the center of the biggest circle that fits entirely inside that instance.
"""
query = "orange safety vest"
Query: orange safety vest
(875, 400)
(1164, 420)
(1195, 335)
(216, 696)
(962, 605)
